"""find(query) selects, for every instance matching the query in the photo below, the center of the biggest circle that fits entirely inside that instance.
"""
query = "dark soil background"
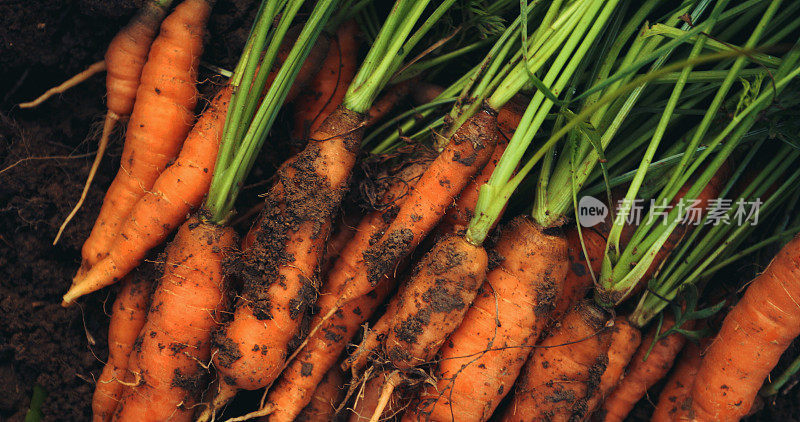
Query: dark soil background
(43, 42)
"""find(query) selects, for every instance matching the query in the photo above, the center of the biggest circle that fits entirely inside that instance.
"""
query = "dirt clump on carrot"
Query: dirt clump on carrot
(565, 370)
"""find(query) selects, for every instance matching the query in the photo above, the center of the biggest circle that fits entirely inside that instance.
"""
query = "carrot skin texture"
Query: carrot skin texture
(293, 389)
(127, 319)
(176, 339)
(753, 336)
(579, 280)
(326, 91)
(673, 403)
(280, 268)
(643, 374)
(625, 341)
(176, 193)
(367, 402)
(161, 119)
(565, 371)
(326, 397)
(468, 151)
(481, 359)
(433, 301)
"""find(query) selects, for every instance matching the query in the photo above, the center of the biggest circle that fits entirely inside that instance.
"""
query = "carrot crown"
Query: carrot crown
(248, 121)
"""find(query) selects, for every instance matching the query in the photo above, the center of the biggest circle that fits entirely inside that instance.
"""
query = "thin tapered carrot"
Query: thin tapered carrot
(125, 59)
(161, 118)
(643, 374)
(127, 319)
(481, 359)
(326, 91)
(673, 403)
(341, 236)
(753, 336)
(625, 340)
(171, 357)
(292, 390)
(177, 192)
(565, 370)
(326, 397)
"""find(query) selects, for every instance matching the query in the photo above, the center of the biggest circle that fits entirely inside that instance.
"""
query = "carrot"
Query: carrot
(160, 120)
(127, 319)
(468, 150)
(565, 370)
(625, 340)
(579, 278)
(292, 390)
(175, 342)
(481, 359)
(425, 92)
(325, 399)
(177, 192)
(429, 306)
(433, 301)
(368, 400)
(643, 374)
(753, 336)
(673, 403)
(341, 236)
(388, 101)
(329, 86)
(125, 59)
(461, 212)
(279, 269)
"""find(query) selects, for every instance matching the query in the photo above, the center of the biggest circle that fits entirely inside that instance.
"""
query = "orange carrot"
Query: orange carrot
(468, 150)
(564, 372)
(328, 87)
(292, 390)
(625, 340)
(753, 336)
(325, 399)
(673, 403)
(643, 374)
(579, 279)
(425, 92)
(125, 59)
(388, 101)
(279, 269)
(433, 301)
(480, 361)
(367, 401)
(175, 194)
(161, 118)
(459, 215)
(175, 343)
(127, 319)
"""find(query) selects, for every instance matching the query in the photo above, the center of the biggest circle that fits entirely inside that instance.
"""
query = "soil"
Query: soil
(43, 42)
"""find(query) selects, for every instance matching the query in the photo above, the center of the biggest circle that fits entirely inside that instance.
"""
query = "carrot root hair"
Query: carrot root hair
(90, 71)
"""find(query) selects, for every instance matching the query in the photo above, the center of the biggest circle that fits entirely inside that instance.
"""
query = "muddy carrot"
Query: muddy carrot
(565, 370)
(481, 359)
(322, 349)
(174, 348)
(127, 319)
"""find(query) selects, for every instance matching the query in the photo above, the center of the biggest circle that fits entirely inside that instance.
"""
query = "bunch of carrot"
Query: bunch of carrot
(472, 288)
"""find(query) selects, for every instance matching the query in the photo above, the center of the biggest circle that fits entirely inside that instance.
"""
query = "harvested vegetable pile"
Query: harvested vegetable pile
(349, 210)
